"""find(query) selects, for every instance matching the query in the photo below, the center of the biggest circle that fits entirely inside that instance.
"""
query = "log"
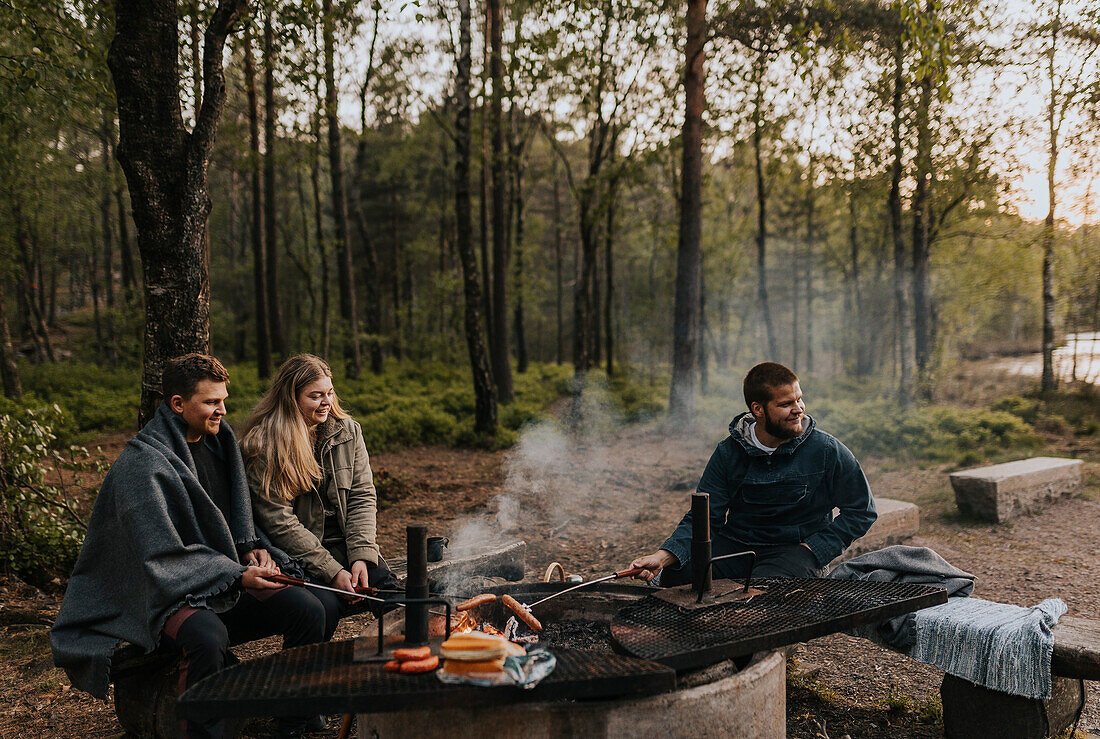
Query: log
(508, 560)
(1076, 648)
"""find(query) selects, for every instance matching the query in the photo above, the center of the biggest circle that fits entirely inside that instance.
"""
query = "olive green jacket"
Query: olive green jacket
(297, 526)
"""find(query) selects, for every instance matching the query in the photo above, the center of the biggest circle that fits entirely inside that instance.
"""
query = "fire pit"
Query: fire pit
(630, 659)
(743, 698)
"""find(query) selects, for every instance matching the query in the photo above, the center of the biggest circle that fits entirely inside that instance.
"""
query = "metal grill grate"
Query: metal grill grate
(787, 612)
(322, 678)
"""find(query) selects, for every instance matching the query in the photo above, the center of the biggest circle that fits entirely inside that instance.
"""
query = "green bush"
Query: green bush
(936, 433)
(40, 530)
(1026, 409)
(94, 399)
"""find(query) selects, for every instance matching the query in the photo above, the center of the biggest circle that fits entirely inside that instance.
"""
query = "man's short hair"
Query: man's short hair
(762, 379)
(182, 374)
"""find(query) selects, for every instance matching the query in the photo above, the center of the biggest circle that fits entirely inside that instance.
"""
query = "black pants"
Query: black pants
(336, 607)
(778, 560)
(204, 637)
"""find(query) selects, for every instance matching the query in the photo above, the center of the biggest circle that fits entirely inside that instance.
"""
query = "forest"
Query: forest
(478, 210)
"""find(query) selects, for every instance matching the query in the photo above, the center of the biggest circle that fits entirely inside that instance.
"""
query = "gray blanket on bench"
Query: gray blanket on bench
(902, 564)
(998, 645)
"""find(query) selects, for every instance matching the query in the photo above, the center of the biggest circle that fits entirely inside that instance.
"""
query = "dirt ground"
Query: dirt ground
(595, 503)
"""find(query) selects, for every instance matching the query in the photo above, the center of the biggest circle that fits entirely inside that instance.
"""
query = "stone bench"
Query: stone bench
(897, 523)
(1004, 491)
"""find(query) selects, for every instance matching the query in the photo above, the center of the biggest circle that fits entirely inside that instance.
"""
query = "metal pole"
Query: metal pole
(416, 584)
(700, 544)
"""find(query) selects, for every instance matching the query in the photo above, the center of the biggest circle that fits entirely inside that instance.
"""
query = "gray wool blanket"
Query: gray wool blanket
(155, 542)
(903, 564)
(998, 645)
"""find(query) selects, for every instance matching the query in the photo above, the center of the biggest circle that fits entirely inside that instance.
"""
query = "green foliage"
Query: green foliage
(1026, 409)
(40, 530)
(94, 399)
(934, 433)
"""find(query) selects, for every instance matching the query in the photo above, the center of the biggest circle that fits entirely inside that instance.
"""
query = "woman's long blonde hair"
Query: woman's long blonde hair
(276, 442)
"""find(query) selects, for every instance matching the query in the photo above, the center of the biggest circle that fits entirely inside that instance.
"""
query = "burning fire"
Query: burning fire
(467, 622)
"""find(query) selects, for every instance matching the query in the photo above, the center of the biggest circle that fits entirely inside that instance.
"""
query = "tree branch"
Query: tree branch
(224, 19)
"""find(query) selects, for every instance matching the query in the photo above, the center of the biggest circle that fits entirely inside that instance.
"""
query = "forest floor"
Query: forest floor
(595, 503)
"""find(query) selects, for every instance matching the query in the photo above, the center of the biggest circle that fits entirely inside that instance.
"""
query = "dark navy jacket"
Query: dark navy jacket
(786, 497)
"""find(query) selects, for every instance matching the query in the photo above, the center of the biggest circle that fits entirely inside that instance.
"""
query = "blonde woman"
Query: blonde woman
(312, 489)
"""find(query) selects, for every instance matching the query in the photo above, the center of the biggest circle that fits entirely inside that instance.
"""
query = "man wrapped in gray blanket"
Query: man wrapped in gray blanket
(171, 553)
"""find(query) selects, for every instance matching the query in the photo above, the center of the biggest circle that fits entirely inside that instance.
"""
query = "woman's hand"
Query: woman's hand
(343, 581)
(253, 578)
(359, 578)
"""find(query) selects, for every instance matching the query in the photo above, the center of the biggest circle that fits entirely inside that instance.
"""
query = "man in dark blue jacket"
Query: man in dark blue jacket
(773, 485)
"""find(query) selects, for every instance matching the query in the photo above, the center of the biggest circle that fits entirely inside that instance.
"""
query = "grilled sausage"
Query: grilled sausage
(477, 600)
(412, 653)
(524, 615)
(392, 666)
(420, 665)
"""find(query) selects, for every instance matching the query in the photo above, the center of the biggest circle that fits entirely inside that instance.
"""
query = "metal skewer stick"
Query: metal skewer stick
(285, 580)
(614, 576)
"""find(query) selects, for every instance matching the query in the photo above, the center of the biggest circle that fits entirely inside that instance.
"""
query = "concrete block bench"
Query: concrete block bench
(897, 523)
(1004, 491)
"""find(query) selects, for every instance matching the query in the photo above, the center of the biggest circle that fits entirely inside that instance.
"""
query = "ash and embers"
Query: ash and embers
(589, 636)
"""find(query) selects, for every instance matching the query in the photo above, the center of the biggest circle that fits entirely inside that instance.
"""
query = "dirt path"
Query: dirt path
(593, 505)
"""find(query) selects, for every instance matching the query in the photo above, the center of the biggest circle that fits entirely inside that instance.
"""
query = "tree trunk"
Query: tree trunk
(109, 348)
(860, 341)
(499, 349)
(808, 261)
(346, 267)
(609, 279)
(126, 257)
(35, 320)
(685, 332)
(922, 308)
(1049, 381)
(305, 265)
(166, 168)
(485, 407)
(259, 255)
(395, 275)
(903, 323)
(325, 326)
(271, 229)
(559, 347)
(701, 342)
(486, 282)
(582, 293)
(762, 213)
(93, 272)
(196, 57)
(373, 290)
(9, 371)
(517, 209)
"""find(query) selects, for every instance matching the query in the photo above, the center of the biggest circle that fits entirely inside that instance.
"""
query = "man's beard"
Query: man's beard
(778, 430)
